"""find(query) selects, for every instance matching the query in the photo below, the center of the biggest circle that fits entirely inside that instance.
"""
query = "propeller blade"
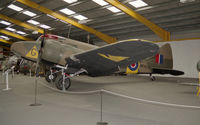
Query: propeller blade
(41, 45)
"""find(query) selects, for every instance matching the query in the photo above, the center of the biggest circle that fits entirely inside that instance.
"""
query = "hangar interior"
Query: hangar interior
(115, 99)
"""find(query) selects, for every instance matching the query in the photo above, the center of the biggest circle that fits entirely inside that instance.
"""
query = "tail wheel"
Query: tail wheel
(50, 76)
(59, 83)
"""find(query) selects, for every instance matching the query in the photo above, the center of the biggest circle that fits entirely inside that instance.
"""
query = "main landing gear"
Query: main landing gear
(62, 80)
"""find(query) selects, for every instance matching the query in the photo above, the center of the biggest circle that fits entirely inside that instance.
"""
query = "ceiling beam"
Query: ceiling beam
(5, 41)
(22, 24)
(163, 34)
(175, 40)
(7, 48)
(36, 6)
(15, 35)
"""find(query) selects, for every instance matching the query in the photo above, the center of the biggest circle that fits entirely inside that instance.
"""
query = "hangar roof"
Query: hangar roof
(171, 15)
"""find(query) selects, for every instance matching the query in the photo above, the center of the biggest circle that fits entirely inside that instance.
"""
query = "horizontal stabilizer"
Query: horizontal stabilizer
(167, 71)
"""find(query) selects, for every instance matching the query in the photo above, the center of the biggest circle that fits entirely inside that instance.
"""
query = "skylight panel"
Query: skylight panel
(100, 2)
(20, 32)
(80, 17)
(138, 3)
(70, 1)
(4, 37)
(33, 22)
(67, 11)
(5, 22)
(14, 7)
(113, 9)
(11, 29)
(45, 26)
(29, 13)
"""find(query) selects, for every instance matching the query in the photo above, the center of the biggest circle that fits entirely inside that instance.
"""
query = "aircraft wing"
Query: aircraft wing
(167, 71)
(108, 59)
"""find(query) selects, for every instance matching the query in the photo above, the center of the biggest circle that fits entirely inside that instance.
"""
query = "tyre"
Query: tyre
(59, 83)
(50, 77)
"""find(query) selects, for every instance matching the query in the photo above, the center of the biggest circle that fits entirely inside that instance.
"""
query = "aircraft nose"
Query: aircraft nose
(26, 49)
(18, 48)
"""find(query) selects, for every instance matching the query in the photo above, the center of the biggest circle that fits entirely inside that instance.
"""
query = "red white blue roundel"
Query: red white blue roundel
(133, 67)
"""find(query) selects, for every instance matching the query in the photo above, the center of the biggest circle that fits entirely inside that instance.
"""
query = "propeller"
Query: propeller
(40, 49)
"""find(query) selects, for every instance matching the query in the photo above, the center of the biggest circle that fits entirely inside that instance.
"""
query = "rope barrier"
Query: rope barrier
(124, 96)
(68, 92)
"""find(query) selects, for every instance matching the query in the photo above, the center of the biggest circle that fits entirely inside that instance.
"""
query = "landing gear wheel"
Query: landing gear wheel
(50, 76)
(59, 83)
(153, 78)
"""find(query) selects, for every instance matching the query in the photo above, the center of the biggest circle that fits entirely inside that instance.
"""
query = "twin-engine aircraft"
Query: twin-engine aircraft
(78, 57)
(162, 63)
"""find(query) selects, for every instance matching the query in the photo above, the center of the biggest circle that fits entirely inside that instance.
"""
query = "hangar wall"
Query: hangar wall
(186, 54)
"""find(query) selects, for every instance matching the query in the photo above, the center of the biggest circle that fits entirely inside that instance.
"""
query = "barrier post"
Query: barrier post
(7, 84)
(198, 86)
(12, 69)
(101, 108)
(2, 75)
(63, 82)
(30, 72)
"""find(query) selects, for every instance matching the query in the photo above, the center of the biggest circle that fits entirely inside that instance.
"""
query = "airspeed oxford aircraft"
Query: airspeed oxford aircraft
(78, 57)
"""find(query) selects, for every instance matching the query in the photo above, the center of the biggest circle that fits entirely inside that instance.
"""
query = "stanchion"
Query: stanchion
(198, 86)
(35, 99)
(7, 84)
(101, 111)
(2, 75)
(13, 72)
(63, 82)
(51, 76)
(30, 72)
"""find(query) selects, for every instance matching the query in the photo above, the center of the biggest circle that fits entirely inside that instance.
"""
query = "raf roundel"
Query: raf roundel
(133, 67)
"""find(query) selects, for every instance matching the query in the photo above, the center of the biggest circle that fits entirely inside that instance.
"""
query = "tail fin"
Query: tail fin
(163, 60)
(166, 51)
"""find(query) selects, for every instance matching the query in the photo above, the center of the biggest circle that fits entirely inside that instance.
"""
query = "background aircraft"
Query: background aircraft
(162, 63)
(78, 57)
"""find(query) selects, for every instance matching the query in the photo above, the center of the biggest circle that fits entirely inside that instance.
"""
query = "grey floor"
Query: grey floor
(59, 109)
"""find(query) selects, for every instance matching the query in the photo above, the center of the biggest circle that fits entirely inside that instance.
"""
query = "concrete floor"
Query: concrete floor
(59, 108)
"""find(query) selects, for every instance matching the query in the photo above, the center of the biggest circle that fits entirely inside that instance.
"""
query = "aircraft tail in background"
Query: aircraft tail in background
(162, 63)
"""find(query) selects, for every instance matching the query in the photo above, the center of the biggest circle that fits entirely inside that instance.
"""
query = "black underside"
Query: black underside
(167, 71)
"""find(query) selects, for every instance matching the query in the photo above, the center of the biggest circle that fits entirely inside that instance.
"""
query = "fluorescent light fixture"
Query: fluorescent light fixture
(113, 9)
(14, 7)
(80, 17)
(67, 11)
(5, 22)
(70, 1)
(138, 3)
(45, 26)
(51, 16)
(11, 29)
(4, 37)
(33, 22)
(20, 32)
(100, 2)
(31, 14)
